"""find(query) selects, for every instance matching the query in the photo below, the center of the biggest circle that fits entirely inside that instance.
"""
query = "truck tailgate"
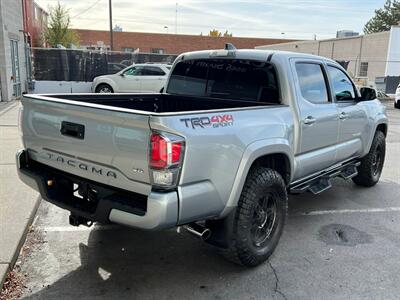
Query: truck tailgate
(100, 144)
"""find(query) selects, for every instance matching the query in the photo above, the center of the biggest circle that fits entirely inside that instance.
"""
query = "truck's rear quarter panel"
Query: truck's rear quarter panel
(214, 152)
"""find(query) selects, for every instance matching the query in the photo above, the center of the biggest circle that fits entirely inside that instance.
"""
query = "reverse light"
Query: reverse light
(166, 156)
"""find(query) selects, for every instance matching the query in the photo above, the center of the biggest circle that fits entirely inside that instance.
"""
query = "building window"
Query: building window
(36, 11)
(157, 50)
(128, 49)
(363, 69)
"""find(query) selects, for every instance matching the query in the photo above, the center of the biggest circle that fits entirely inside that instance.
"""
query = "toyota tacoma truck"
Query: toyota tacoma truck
(216, 153)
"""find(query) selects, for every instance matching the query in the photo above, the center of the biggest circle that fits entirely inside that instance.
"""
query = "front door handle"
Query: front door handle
(342, 116)
(309, 120)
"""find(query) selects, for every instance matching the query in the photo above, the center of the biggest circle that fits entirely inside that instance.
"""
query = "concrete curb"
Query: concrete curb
(7, 107)
(10, 266)
(18, 202)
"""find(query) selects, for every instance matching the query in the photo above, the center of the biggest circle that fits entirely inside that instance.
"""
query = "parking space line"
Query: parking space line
(349, 211)
(311, 213)
(75, 229)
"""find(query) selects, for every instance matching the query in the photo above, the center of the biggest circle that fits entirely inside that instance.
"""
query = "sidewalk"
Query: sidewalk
(18, 202)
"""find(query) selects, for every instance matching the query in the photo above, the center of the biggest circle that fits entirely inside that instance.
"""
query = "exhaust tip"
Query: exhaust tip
(206, 234)
(199, 231)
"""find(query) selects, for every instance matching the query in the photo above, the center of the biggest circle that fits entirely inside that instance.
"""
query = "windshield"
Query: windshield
(227, 79)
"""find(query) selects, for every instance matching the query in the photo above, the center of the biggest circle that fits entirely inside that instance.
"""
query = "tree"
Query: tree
(217, 33)
(58, 31)
(384, 17)
(227, 34)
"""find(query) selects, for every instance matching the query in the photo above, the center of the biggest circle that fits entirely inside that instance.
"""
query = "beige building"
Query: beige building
(372, 59)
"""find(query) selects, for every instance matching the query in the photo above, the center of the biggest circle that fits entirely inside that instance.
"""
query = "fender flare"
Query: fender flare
(382, 120)
(106, 81)
(252, 152)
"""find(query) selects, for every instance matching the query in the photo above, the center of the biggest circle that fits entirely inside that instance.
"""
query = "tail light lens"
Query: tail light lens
(166, 156)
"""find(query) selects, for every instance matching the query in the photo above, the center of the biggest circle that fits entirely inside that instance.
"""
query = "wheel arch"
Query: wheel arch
(382, 127)
(275, 154)
(107, 82)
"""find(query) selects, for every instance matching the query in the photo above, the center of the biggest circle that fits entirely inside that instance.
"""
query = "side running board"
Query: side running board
(322, 181)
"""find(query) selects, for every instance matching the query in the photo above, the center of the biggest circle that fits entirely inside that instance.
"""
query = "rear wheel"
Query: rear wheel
(259, 219)
(370, 169)
(397, 104)
(104, 88)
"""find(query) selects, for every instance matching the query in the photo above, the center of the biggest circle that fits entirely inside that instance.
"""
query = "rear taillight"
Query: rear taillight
(166, 156)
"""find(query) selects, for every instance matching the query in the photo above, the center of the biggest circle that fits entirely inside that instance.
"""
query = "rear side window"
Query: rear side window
(152, 71)
(312, 82)
(226, 79)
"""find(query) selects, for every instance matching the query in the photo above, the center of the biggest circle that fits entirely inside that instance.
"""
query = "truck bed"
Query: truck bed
(154, 103)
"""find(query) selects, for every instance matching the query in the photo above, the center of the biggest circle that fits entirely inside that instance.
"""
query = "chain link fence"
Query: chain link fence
(83, 65)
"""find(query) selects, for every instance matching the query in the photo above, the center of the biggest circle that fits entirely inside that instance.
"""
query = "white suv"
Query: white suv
(397, 98)
(136, 78)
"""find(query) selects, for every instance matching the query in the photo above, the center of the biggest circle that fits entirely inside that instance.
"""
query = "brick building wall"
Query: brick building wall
(170, 43)
(35, 22)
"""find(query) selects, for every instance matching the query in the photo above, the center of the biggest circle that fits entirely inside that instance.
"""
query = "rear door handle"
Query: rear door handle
(309, 120)
(342, 116)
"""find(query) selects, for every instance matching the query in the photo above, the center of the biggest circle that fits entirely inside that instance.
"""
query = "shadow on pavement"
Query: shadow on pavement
(124, 263)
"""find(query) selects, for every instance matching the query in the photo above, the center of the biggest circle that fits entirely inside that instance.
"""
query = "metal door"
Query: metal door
(319, 123)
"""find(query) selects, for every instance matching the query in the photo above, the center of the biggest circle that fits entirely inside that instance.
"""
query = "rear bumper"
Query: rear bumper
(101, 203)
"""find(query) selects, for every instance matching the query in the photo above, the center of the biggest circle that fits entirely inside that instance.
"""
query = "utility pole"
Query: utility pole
(111, 26)
(176, 18)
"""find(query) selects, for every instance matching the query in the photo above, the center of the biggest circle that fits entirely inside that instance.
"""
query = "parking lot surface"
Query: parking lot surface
(341, 244)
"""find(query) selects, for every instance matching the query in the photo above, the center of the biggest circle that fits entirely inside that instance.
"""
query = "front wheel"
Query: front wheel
(259, 218)
(370, 169)
(104, 88)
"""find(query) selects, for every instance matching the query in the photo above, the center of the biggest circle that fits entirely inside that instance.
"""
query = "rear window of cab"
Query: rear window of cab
(232, 79)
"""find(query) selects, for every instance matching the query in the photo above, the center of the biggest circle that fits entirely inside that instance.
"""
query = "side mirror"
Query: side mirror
(367, 94)
(122, 74)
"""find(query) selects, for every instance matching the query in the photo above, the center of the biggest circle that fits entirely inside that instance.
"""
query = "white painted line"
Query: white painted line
(311, 213)
(75, 229)
(350, 211)
(35, 220)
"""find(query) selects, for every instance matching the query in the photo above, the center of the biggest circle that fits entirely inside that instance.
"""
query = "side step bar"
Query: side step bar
(322, 181)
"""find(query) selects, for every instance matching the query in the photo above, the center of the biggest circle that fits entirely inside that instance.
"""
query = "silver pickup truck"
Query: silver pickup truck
(217, 153)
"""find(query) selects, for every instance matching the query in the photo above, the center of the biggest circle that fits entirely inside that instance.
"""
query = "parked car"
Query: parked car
(136, 78)
(397, 98)
(217, 153)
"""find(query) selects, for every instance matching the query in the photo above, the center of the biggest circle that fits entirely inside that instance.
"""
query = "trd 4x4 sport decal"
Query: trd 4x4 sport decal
(215, 121)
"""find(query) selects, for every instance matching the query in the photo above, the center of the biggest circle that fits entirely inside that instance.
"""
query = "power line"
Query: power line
(87, 9)
(198, 26)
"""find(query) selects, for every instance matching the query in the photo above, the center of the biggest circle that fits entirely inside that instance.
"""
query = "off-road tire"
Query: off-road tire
(259, 183)
(102, 86)
(370, 169)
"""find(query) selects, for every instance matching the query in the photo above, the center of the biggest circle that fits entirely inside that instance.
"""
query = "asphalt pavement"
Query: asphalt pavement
(341, 244)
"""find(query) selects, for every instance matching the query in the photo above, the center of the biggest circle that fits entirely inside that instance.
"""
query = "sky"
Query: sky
(301, 19)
